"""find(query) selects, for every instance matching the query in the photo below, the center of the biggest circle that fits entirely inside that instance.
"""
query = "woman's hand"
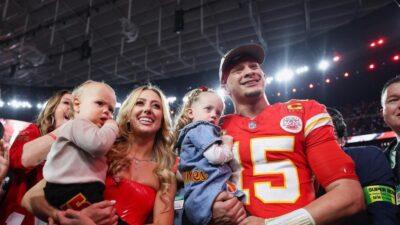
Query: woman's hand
(102, 213)
(4, 160)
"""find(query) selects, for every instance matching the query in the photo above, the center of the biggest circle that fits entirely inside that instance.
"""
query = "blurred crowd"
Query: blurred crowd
(363, 118)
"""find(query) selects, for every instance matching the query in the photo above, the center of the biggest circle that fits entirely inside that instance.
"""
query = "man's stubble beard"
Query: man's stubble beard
(253, 94)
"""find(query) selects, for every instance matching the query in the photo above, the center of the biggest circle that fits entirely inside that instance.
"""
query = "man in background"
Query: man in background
(390, 101)
(375, 176)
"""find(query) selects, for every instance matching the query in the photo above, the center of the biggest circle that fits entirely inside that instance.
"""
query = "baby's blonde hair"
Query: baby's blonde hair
(78, 91)
(183, 118)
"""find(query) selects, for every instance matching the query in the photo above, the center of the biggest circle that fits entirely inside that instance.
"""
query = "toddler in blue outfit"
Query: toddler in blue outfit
(206, 164)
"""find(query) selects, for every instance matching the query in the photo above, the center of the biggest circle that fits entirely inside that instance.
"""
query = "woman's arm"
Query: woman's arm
(163, 212)
(4, 161)
(35, 152)
(4, 164)
(35, 202)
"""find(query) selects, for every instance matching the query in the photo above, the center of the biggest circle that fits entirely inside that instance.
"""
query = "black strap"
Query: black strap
(396, 169)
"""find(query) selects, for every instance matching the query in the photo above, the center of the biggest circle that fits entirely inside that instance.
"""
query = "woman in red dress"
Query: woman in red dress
(140, 178)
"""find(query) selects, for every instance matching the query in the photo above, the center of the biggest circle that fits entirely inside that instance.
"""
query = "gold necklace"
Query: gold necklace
(137, 161)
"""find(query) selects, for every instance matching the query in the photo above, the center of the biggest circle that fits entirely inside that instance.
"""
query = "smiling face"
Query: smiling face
(391, 107)
(147, 113)
(62, 111)
(208, 107)
(96, 103)
(245, 81)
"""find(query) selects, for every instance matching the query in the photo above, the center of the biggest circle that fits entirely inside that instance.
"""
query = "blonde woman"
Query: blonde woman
(140, 179)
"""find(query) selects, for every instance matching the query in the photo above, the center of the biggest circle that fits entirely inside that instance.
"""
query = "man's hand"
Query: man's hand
(227, 140)
(72, 217)
(253, 220)
(102, 213)
(227, 209)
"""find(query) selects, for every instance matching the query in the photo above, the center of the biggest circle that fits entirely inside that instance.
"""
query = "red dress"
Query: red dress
(134, 201)
(23, 178)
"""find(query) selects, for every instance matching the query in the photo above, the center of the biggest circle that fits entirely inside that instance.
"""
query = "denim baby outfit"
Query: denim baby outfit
(202, 180)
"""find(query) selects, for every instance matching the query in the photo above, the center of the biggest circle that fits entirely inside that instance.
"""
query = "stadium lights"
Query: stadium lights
(171, 100)
(336, 58)
(371, 66)
(221, 92)
(376, 43)
(323, 65)
(269, 80)
(19, 104)
(302, 69)
(284, 75)
(396, 57)
(372, 44)
(346, 74)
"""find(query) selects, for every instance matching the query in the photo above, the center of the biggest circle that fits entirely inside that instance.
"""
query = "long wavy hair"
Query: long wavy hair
(164, 156)
(46, 120)
(183, 118)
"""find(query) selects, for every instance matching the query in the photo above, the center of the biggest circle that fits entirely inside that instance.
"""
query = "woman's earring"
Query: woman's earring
(52, 120)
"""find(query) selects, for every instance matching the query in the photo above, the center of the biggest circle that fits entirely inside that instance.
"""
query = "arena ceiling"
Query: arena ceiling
(64, 42)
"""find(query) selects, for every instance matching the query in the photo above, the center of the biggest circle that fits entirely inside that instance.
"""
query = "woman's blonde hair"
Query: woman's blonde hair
(46, 120)
(165, 158)
(183, 118)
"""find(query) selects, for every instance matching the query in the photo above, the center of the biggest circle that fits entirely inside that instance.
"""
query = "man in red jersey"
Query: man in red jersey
(281, 147)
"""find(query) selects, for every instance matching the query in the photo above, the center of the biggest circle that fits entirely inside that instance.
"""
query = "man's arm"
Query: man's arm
(343, 198)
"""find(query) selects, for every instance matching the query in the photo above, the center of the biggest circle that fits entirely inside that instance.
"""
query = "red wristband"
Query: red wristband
(52, 136)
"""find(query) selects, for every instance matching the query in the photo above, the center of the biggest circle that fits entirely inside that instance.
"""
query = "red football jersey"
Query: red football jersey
(275, 151)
